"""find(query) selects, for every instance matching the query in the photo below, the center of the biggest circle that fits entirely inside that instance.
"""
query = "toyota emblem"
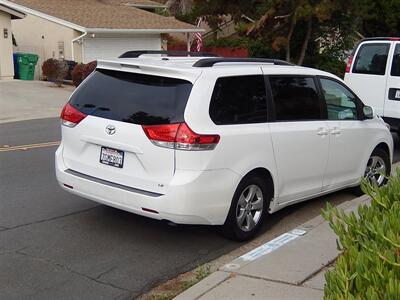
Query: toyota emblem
(110, 129)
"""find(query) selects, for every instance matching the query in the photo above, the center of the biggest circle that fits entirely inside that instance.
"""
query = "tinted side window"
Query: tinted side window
(239, 100)
(371, 59)
(133, 98)
(295, 98)
(340, 102)
(396, 62)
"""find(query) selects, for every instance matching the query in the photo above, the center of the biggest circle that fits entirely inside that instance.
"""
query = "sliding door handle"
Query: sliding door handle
(322, 131)
(336, 131)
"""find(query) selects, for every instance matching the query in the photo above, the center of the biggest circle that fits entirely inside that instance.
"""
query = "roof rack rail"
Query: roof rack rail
(137, 53)
(209, 62)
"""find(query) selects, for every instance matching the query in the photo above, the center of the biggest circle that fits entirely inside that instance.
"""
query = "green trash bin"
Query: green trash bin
(26, 65)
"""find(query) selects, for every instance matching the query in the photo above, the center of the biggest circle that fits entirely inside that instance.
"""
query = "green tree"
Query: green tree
(288, 26)
(293, 24)
(317, 33)
(378, 18)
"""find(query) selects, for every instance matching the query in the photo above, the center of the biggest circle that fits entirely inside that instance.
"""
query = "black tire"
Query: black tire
(357, 191)
(231, 229)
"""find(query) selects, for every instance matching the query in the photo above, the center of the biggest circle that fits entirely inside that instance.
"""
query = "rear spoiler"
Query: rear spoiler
(140, 66)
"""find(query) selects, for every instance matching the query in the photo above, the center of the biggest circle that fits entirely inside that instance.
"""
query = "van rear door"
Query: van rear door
(110, 142)
(368, 74)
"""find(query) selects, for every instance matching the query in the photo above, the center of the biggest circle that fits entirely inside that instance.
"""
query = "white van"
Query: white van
(373, 72)
(217, 141)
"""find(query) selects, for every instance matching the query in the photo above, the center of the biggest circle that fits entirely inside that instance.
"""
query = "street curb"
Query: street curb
(233, 268)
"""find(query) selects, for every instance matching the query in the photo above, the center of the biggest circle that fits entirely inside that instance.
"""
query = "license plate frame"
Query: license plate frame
(112, 157)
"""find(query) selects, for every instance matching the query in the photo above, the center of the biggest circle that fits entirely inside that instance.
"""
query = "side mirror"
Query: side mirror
(368, 112)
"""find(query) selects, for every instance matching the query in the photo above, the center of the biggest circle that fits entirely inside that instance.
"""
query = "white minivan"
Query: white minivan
(373, 72)
(216, 141)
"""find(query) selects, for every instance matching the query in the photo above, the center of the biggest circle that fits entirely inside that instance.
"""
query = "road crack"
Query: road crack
(105, 272)
(70, 270)
(2, 229)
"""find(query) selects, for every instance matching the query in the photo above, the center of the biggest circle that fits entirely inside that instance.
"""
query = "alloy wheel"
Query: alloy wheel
(249, 207)
(375, 172)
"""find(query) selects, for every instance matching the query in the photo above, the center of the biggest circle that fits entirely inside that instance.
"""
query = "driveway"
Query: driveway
(25, 100)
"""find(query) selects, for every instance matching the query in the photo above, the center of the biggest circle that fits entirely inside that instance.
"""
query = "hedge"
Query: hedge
(369, 265)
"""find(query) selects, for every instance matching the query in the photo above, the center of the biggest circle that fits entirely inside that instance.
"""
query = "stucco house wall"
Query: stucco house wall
(100, 29)
(6, 62)
(46, 39)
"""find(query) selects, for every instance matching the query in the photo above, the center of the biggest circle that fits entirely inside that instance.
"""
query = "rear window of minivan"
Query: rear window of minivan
(133, 98)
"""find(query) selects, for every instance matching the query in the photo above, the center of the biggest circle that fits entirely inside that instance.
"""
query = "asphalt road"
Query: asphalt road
(54, 245)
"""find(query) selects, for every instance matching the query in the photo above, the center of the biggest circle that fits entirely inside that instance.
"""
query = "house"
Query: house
(6, 47)
(86, 30)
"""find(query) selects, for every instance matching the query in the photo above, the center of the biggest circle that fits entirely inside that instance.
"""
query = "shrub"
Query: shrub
(81, 71)
(89, 68)
(77, 73)
(369, 266)
(55, 70)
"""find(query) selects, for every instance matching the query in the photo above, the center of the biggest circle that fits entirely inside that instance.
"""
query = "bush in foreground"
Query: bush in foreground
(55, 70)
(369, 266)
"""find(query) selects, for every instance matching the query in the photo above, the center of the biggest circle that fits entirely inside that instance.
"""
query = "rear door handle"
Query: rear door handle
(322, 131)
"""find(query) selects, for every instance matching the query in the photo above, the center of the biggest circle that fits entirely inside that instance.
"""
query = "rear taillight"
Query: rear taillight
(70, 116)
(181, 137)
(186, 139)
(162, 135)
(349, 63)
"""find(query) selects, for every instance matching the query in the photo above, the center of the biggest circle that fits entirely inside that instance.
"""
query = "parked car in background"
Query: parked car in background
(373, 72)
(216, 141)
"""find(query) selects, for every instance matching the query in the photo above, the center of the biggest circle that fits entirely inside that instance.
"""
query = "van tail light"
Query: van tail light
(70, 116)
(349, 63)
(180, 137)
(162, 135)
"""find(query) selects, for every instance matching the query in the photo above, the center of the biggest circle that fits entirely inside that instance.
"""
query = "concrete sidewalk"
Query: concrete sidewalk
(26, 100)
(291, 266)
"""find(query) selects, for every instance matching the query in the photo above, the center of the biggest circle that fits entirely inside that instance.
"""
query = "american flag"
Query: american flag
(199, 38)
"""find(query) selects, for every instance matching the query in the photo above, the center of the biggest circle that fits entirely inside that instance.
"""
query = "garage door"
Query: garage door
(109, 48)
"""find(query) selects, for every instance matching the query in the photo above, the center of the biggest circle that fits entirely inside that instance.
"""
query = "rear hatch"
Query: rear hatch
(108, 141)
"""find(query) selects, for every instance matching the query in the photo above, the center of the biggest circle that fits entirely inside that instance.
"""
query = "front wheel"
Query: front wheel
(377, 169)
(248, 209)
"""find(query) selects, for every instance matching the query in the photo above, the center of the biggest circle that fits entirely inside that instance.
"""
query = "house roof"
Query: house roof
(103, 15)
(15, 14)
(138, 3)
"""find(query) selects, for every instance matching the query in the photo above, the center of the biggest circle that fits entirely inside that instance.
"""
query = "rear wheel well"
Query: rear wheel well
(233, 225)
(266, 176)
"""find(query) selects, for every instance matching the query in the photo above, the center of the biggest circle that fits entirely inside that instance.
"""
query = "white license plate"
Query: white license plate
(112, 157)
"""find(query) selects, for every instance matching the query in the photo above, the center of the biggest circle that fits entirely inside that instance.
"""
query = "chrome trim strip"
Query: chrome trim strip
(112, 184)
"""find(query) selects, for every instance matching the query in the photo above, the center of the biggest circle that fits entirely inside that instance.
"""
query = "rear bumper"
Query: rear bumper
(193, 197)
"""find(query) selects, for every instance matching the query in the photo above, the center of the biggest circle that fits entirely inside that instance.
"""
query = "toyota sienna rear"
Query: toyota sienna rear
(216, 141)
